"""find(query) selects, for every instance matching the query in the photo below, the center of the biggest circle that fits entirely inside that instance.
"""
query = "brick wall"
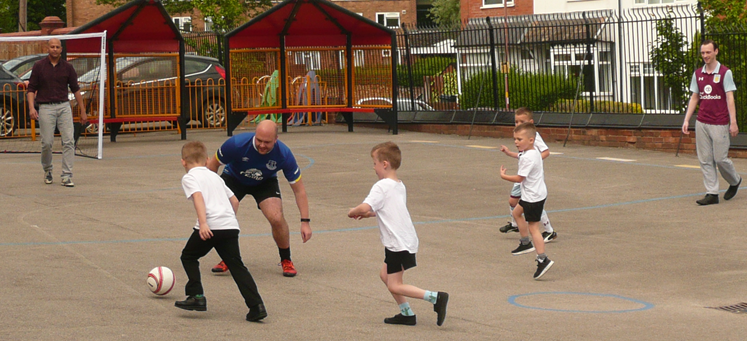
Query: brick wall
(473, 9)
(369, 8)
(651, 139)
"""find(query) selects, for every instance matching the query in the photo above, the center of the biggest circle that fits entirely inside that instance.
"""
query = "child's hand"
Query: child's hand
(503, 170)
(205, 232)
(351, 214)
(504, 149)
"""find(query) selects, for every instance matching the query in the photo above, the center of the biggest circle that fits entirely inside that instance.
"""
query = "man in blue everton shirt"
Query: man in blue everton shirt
(251, 162)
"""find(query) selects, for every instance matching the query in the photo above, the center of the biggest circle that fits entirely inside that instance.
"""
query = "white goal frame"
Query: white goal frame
(102, 74)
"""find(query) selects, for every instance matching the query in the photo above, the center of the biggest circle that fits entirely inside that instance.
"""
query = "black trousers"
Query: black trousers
(226, 243)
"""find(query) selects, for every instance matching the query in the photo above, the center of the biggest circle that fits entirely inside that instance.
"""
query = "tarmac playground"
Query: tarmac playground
(636, 258)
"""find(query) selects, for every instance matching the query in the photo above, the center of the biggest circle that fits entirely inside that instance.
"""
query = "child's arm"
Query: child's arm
(199, 203)
(361, 211)
(512, 178)
(545, 154)
(508, 152)
(234, 204)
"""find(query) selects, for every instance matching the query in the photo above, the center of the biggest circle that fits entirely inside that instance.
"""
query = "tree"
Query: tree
(445, 13)
(225, 14)
(724, 11)
(669, 56)
(37, 10)
(8, 16)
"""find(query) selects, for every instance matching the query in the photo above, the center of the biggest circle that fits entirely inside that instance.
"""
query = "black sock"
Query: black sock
(284, 254)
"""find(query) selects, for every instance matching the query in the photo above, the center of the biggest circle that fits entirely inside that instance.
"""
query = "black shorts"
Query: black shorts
(267, 189)
(397, 261)
(532, 210)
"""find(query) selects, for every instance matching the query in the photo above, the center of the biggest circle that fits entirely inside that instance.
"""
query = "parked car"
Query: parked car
(12, 103)
(23, 64)
(139, 95)
(403, 104)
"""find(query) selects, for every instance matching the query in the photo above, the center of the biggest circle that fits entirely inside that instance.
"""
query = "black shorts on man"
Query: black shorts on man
(532, 210)
(397, 261)
(268, 189)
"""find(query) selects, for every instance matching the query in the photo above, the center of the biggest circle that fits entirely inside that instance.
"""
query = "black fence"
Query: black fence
(204, 44)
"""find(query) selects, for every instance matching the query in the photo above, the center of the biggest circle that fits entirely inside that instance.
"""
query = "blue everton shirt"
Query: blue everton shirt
(243, 162)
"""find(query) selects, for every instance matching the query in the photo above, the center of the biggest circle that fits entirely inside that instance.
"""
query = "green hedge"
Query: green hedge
(566, 105)
(422, 68)
(536, 91)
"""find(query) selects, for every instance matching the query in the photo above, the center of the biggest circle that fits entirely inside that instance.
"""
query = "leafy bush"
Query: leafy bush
(566, 105)
(535, 91)
(423, 67)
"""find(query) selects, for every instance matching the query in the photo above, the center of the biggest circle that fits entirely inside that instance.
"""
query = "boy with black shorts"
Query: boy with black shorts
(533, 195)
(217, 228)
(387, 201)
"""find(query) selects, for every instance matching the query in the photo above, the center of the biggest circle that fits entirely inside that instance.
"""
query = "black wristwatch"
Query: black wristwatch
(305, 220)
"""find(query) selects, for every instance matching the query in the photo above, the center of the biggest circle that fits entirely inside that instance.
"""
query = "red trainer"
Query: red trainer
(221, 267)
(288, 269)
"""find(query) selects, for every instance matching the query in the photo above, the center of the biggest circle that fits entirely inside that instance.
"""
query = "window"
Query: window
(358, 58)
(389, 19)
(208, 24)
(308, 58)
(194, 66)
(183, 23)
(527, 54)
(647, 89)
(656, 2)
(569, 60)
(496, 3)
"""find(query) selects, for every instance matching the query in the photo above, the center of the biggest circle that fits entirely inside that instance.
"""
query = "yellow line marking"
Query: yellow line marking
(423, 141)
(687, 166)
(614, 159)
(555, 153)
(481, 147)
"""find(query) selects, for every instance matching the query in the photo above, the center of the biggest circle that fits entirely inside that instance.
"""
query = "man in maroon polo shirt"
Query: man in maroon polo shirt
(48, 86)
(713, 89)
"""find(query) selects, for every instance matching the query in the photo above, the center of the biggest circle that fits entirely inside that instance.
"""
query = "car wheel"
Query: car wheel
(213, 112)
(8, 122)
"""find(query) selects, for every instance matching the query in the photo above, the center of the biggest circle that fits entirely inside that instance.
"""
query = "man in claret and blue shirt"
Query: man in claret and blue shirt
(713, 89)
(252, 161)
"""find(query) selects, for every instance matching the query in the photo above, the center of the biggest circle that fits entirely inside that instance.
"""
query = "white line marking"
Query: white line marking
(614, 159)
(555, 153)
(687, 166)
(423, 141)
(481, 147)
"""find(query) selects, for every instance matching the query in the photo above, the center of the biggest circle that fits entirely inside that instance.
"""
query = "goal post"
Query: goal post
(87, 53)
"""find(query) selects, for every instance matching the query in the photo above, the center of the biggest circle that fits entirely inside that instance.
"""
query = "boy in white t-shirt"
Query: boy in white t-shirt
(387, 201)
(533, 195)
(217, 228)
(523, 115)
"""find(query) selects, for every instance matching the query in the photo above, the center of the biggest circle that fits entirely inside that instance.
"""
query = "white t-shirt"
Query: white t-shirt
(218, 209)
(388, 199)
(533, 187)
(539, 143)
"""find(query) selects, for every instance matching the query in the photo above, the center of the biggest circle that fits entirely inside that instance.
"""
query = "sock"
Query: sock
(284, 254)
(199, 296)
(541, 257)
(546, 222)
(524, 240)
(404, 308)
(513, 221)
(431, 296)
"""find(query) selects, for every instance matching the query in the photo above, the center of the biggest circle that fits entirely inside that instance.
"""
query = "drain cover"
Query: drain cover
(738, 308)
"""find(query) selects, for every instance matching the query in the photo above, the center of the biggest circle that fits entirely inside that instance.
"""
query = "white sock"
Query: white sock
(404, 308)
(431, 296)
(546, 222)
(513, 221)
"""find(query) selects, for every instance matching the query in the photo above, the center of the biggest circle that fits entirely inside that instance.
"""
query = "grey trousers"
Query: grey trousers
(712, 143)
(60, 116)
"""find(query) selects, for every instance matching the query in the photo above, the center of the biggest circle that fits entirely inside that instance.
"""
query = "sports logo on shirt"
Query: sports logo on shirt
(272, 165)
(245, 159)
(716, 78)
(254, 174)
(700, 78)
(707, 89)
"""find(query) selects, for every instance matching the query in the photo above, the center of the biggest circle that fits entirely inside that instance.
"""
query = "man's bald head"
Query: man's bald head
(54, 47)
(265, 136)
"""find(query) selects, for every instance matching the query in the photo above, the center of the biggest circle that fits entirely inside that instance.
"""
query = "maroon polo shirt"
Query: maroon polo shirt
(51, 82)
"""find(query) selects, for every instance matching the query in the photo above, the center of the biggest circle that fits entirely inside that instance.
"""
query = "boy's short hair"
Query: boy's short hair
(529, 127)
(194, 152)
(389, 152)
(524, 111)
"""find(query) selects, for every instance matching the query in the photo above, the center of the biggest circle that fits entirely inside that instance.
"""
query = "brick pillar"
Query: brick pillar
(50, 24)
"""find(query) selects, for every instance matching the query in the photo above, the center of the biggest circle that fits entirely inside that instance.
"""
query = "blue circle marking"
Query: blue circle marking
(645, 305)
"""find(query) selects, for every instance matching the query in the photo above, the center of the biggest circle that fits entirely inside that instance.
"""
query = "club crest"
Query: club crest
(716, 78)
(272, 165)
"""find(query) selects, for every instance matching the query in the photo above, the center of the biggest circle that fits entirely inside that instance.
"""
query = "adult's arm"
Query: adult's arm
(733, 127)
(213, 164)
(690, 110)
(302, 201)
(79, 99)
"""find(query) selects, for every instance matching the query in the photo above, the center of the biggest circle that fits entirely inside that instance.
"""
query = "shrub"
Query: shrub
(566, 105)
(429, 66)
(536, 91)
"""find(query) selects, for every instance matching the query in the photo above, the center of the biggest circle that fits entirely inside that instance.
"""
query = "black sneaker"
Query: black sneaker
(440, 307)
(542, 267)
(522, 249)
(401, 319)
(256, 313)
(192, 303)
(509, 228)
(48, 177)
(709, 199)
(732, 191)
(548, 237)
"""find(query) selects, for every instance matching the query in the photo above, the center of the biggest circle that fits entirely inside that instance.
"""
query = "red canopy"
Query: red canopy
(136, 27)
(308, 23)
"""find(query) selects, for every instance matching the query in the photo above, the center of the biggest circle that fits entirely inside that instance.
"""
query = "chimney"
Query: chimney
(50, 24)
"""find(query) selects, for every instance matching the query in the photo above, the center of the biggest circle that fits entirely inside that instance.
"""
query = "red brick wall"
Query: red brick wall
(652, 139)
(369, 8)
(473, 9)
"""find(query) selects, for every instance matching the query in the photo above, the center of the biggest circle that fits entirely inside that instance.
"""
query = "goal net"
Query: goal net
(86, 53)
